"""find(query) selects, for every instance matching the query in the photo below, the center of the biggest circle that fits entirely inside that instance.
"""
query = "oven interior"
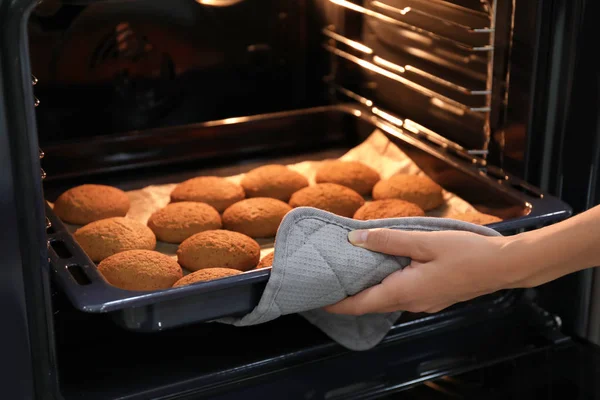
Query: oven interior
(133, 93)
(438, 69)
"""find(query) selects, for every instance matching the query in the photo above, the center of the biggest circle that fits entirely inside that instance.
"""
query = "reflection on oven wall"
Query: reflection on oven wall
(119, 66)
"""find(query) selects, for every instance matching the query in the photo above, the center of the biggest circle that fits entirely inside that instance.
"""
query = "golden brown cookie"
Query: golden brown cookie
(476, 217)
(353, 174)
(218, 249)
(140, 270)
(266, 261)
(330, 197)
(390, 208)
(207, 274)
(101, 239)
(178, 221)
(276, 181)
(258, 217)
(212, 190)
(88, 203)
(417, 189)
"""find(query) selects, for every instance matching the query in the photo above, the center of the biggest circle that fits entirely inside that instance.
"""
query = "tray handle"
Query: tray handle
(545, 209)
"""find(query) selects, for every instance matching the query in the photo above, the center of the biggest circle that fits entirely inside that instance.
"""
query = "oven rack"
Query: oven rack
(397, 21)
(445, 101)
(421, 12)
(451, 70)
(408, 126)
(371, 61)
(476, 8)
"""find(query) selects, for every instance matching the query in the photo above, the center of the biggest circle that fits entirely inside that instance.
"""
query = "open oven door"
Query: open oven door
(514, 352)
(475, 363)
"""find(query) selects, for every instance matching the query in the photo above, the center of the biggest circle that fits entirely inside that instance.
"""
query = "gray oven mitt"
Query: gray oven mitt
(315, 266)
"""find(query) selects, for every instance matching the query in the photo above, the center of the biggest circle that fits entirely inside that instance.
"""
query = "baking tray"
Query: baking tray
(520, 205)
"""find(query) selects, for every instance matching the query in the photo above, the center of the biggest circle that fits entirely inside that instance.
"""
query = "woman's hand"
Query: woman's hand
(447, 267)
(450, 267)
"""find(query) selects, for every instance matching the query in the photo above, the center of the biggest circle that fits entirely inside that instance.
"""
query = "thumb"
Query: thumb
(416, 245)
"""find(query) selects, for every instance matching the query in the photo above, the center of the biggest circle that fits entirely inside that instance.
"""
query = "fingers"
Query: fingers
(372, 300)
(393, 293)
(398, 243)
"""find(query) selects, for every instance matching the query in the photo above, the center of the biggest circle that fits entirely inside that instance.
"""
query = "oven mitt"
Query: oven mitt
(315, 266)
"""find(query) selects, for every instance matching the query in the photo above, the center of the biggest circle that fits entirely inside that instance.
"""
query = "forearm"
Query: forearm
(546, 254)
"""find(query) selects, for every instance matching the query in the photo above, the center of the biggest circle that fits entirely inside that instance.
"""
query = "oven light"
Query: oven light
(218, 3)
(235, 120)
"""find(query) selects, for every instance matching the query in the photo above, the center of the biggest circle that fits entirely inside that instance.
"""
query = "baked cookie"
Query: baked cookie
(178, 221)
(212, 190)
(417, 189)
(207, 274)
(88, 203)
(353, 174)
(330, 197)
(390, 208)
(258, 217)
(276, 181)
(218, 249)
(475, 217)
(140, 270)
(101, 239)
(266, 261)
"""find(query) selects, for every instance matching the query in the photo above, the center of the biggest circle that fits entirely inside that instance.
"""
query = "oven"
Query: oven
(484, 96)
